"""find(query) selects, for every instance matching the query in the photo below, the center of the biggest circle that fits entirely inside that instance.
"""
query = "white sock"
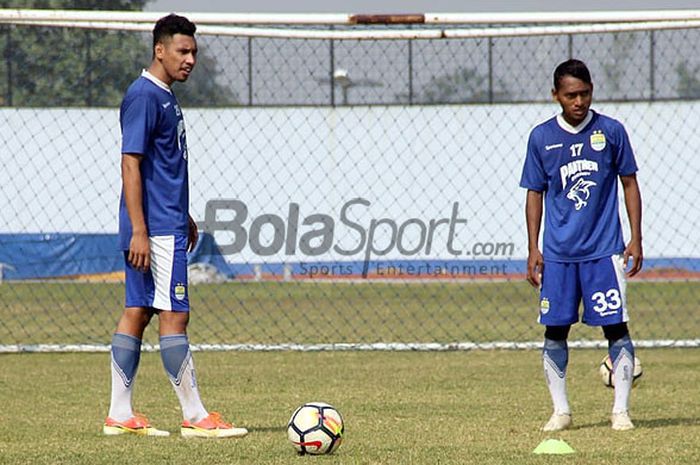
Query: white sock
(555, 358)
(623, 374)
(120, 406)
(178, 363)
(124, 357)
(556, 382)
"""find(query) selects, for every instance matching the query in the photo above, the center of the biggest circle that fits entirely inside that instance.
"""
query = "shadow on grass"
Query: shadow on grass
(267, 429)
(647, 423)
(664, 422)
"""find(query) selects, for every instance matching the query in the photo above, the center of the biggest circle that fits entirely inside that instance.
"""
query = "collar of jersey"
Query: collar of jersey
(574, 129)
(156, 81)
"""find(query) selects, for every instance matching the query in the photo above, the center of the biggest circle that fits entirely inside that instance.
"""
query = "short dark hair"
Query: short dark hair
(574, 68)
(168, 26)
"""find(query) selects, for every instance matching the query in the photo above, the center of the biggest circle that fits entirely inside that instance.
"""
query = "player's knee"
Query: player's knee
(614, 332)
(557, 333)
(173, 322)
(134, 320)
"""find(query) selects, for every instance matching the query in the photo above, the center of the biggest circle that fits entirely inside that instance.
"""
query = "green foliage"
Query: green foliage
(617, 61)
(465, 85)
(688, 81)
(62, 67)
(48, 67)
(202, 89)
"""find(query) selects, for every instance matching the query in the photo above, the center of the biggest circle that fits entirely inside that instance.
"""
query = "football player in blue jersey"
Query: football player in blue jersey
(573, 164)
(155, 233)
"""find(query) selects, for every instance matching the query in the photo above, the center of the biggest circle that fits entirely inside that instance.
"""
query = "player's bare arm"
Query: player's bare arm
(633, 204)
(533, 215)
(139, 247)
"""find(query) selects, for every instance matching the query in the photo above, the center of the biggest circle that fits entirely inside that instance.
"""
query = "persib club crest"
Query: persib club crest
(180, 291)
(598, 140)
(544, 306)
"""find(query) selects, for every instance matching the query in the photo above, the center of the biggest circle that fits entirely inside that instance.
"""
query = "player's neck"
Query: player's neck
(157, 71)
(574, 128)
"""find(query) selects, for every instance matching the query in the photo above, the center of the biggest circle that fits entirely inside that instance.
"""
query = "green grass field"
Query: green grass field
(480, 407)
(321, 312)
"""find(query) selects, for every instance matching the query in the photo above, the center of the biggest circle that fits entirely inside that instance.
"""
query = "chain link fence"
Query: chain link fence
(361, 192)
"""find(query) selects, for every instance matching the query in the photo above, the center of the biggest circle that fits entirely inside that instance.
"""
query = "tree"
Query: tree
(48, 66)
(619, 59)
(465, 85)
(202, 88)
(688, 82)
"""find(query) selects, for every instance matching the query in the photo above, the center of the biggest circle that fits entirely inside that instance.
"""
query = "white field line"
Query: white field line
(346, 347)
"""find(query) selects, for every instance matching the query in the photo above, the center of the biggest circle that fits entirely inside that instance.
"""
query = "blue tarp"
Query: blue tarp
(33, 256)
(44, 255)
(208, 252)
(40, 256)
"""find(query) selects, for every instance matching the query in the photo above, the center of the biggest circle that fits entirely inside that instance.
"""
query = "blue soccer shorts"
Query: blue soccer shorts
(599, 283)
(164, 285)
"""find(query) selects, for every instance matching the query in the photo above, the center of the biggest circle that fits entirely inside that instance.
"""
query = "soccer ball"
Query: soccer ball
(315, 428)
(606, 372)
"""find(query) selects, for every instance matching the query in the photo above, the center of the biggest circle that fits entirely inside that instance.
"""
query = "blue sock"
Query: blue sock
(615, 348)
(126, 354)
(174, 351)
(558, 353)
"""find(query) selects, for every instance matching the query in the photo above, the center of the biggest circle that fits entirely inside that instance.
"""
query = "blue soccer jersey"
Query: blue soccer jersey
(577, 169)
(152, 126)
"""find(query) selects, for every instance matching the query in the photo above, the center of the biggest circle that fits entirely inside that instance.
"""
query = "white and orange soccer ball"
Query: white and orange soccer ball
(316, 428)
(606, 372)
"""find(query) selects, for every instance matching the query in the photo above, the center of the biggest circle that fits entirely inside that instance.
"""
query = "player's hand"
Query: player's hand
(535, 268)
(634, 250)
(193, 234)
(140, 251)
